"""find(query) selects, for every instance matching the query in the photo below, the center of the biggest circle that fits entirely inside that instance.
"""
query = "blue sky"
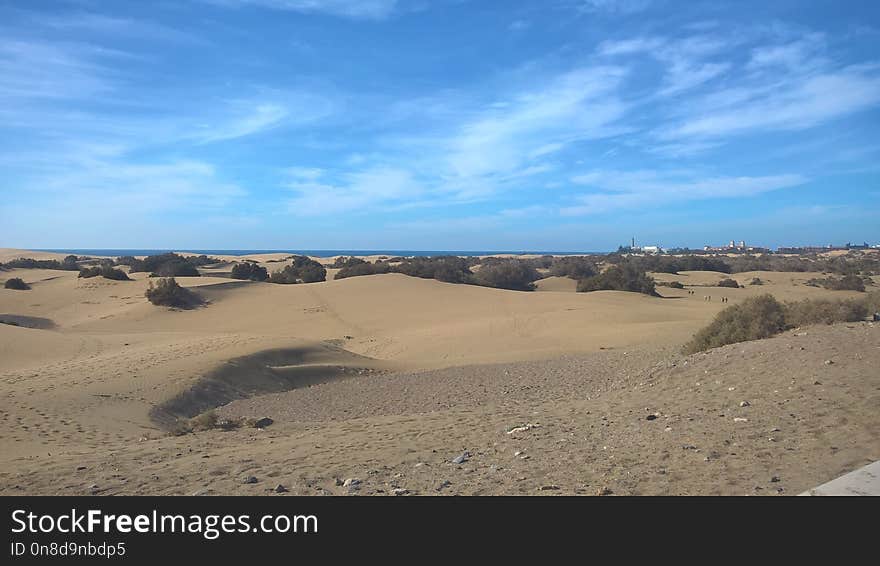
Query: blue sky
(564, 125)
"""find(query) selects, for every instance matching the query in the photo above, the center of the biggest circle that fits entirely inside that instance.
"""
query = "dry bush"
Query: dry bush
(513, 274)
(168, 293)
(624, 277)
(728, 283)
(248, 270)
(16, 284)
(753, 319)
(301, 270)
(361, 269)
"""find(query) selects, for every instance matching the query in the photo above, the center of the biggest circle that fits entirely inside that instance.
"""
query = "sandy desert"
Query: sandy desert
(395, 385)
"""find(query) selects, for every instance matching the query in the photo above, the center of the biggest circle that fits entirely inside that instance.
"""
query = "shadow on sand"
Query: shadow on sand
(269, 371)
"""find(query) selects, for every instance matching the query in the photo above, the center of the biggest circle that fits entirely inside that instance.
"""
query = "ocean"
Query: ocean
(315, 253)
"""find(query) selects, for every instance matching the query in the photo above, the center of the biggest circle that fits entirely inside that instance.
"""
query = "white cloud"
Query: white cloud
(357, 191)
(580, 104)
(613, 6)
(796, 103)
(636, 189)
(358, 9)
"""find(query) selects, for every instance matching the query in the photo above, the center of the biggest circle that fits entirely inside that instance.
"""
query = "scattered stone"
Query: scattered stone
(250, 479)
(400, 491)
(604, 491)
(351, 483)
(522, 428)
(550, 487)
(462, 458)
(745, 404)
(280, 489)
(740, 420)
(338, 482)
(263, 423)
(774, 429)
(650, 417)
(419, 465)
(443, 485)
(775, 479)
(829, 362)
(80, 468)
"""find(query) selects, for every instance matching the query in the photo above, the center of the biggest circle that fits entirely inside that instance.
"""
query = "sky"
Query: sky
(551, 125)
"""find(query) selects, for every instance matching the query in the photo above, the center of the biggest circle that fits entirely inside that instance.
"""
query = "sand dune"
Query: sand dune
(89, 365)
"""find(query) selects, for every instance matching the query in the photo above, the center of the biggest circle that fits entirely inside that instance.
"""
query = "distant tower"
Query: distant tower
(732, 244)
(742, 244)
(633, 246)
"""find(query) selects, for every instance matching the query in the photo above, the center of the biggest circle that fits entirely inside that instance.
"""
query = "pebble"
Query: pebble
(250, 479)
(443, 485)
(400, 491)
(351, 482)
(745, 404)
(263, 423)
(462, 458)
(280, 489)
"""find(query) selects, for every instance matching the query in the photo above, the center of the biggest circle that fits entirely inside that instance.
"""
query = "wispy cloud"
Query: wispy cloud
(795, 103)
(358, 9)
(613, 6)
(636, 189)
(355, 191)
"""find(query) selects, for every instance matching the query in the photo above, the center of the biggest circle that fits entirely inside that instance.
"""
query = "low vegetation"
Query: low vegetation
(763, 316)
(342, 262)
(575, 267)
(514, 274)
(251, 271)
(301, 270)
(105, 271)
(845, 283)
(167, 292)
(727, 282)
(69, 263)
(361, 269)
(449, 269)
(672, 284)
(16, 284)
(624, 277)
(167, 265)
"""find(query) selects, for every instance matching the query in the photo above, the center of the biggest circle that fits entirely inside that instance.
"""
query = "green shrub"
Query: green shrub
(449, 269)
(624, 277)
(514, 274)
(17, 284)
(176, 269)
(301, 270)
(344, 261)
(168, 293)
(728, 283)
(166, 265)
(845, 283)
(575, 267)
(763, 316)
(361, 269)
(104, 271)
(753, 319)
(250, 271)
(824, 311)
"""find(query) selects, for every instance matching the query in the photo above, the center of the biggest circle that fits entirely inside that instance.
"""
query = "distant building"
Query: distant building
(652, 249)
(732, 248)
